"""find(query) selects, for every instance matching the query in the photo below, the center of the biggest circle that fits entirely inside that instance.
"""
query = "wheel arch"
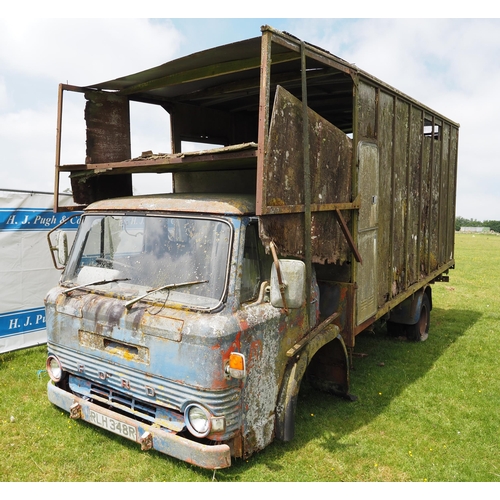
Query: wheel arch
(327, 345)
(408, 311)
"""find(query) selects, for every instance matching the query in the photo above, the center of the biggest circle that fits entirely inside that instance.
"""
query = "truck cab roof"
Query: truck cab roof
(220, 204)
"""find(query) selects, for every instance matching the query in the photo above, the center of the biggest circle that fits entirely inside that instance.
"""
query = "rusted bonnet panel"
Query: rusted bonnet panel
(283, 197)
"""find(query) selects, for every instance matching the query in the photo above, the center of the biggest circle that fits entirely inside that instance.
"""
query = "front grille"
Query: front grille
(163, 404)
(126, 404)
(135, 405)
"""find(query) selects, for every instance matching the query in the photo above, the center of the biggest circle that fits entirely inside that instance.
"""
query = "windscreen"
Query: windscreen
(135, 255)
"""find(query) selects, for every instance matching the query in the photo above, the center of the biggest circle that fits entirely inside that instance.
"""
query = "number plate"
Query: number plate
(113, 425)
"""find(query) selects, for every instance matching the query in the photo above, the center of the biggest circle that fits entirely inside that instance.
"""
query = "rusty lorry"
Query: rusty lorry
(186, 321)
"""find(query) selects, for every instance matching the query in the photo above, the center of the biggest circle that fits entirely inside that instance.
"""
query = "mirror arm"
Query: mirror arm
(52, 247)
(282, 284)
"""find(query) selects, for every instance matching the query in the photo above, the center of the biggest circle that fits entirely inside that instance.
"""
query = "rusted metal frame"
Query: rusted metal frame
(404, 295)
(348, 236)
(363, 326)
(313, 333)
(58, 169)
(58, 146)
(263, 125)
(346, 319)
(354, 192)
(296, 45)
(281, 283)
(311, 51)
(52, 247)
(307, 182)
(74, 88)
(315, 207)
(407, 224)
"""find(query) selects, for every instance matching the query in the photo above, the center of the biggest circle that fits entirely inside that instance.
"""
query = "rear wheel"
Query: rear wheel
(420, 330)
(395, 329)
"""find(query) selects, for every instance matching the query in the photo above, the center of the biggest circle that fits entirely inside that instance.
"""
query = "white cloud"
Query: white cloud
(83, 52)
(45, 52)
(451, 65)
(28, 143)
(3, 94)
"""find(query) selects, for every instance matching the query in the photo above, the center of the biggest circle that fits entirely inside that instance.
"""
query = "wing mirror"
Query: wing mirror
(60, 247)
(288, 291)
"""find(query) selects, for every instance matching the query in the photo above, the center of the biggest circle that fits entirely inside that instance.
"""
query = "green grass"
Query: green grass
(426, 411)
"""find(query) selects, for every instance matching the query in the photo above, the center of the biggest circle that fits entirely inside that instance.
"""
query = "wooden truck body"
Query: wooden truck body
(327, 205)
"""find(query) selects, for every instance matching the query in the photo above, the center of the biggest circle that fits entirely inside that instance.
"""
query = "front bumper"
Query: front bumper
(169, 443)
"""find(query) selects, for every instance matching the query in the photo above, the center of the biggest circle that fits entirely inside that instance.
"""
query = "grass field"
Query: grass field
(427, 412)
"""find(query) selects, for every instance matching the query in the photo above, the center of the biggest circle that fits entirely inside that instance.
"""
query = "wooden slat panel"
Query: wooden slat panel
(385, 144)
(330, 158)
(414, 173)
(400, 197)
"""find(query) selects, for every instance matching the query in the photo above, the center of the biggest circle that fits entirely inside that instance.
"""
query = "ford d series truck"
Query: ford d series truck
(186, 321)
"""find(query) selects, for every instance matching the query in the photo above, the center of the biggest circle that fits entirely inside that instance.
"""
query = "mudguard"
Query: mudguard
(335, 380)
(408, 312)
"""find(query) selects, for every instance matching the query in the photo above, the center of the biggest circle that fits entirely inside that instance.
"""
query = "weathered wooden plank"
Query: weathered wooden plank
(330, 156)
(108, 140)
(385, 145)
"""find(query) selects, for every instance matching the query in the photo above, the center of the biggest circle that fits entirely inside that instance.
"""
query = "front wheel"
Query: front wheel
(420, 330)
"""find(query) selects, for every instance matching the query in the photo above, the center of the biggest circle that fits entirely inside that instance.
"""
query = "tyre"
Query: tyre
(395, 329)
(420, 330)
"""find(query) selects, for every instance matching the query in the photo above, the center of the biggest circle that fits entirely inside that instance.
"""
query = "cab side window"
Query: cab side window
(251, 269)
(256, 265)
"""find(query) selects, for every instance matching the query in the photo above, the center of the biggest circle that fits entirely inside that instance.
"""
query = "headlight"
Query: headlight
(197, 420)
(54, 368)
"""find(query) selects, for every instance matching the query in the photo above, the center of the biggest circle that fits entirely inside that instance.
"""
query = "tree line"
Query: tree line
(494, 225)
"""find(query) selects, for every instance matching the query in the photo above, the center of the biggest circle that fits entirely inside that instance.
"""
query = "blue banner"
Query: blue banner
(21, 322)
(34, 219)
(27, 272)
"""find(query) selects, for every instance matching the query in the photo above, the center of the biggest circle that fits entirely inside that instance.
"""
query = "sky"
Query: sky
(450, 64)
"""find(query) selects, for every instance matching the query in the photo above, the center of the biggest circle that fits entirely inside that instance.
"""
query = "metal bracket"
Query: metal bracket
(282, 284)
(75, 411)
(348, 236)
(146, 441)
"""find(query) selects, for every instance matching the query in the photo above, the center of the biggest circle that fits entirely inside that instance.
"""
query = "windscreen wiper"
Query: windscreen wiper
(94, 283)
(130, 303)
